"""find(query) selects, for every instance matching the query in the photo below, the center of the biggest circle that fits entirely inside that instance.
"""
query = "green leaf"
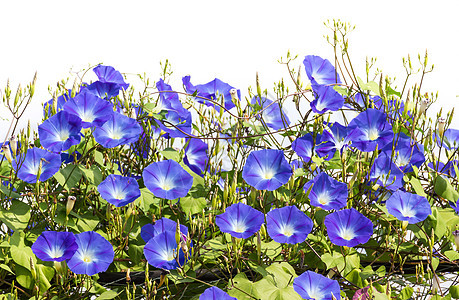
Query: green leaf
(444, 189)
(146, 200)
(335, 259)
(454, 291)
(135, 253)
(87, 222)
(193, 205)
(452, 255)
(438, 223)
(435, 262)
(406, 293)
(93, 175)
(22, 255)
(24, 277)
(354, 277)
(243, 284)
(271, 249)
(278, 283)
(370, 86)
(6, 268)
(44, 274)
(171, 153)
(110, 294)
(17, 216)
(417, 186)
(69, 176)
(5, 191)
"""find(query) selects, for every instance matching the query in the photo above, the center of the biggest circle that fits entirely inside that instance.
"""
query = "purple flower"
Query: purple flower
(118, 130)
(303, 146)
(371, 129)
(327, 193)
(408, 207)
(273, 116)
(326, 99)
(214, 293)
(119, 190)
(335, 139)
(211, 91)
(348, 228)
(60, 132)
(320, 71)
(149, 231)
(55, 246)
(60, 101)
(168, 100)
(288, 225)
(311, 285)
(94, 254)
(92, 110)
(161, 251)
(37, 161)
(176, 125)
(450, 139)
(110, 75)
(407, 153)
(167, 179)
(103, 90)
(240, 220)
(266, 169)
(196, 156)
(386, 173)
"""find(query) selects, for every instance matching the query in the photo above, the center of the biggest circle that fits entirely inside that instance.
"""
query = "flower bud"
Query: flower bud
(441, 125)
(70, 203)
(128, 275)
(7, 153)
(424, 104)
(456, 238)
(32, 269)
(14, 145)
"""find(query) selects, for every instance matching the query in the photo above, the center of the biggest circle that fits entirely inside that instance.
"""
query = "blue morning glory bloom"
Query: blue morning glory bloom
(337, 138)
(447, 169)
(103, 90)
(376, 101)
(407, 153)
(214, 293)
(55, 246)
(167, 179)
(35, 158)
(409, 207)
(240, 220)
(118, 130)
(272, 115)
(211, 90)
(161, 251)
(288, 225)
(326, 98)
(92, 110)
(371, 129)
(149, 231)
(196, 156)
(266, 169)
(119, 190)
(94, 254)
(176, 125)
(60, 132)
(311, 285)
(110, 75)
(168, 100)
(320, 71)
(348, 228)
(450, 139)
(303, 146)
(327, 193)
(386, 173)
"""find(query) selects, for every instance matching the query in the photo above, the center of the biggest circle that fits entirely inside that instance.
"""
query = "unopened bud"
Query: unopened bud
(7, 153)
(456, 238)
(258, 86)
(441, 125)
(234, 95)
(14, 145)
(70, 203)
(128, 275)
(424, 103)
(32, 268)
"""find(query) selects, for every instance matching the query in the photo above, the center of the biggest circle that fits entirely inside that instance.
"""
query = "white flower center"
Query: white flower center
(372, 134)
(55, 253)
(115, 134)
(402, 160)
(268, 174)
(315, 294)
(347, 233)
(63, 135)
(288, 230)
(408, 212)
(87, 116)
(239, 227)
(324, 198)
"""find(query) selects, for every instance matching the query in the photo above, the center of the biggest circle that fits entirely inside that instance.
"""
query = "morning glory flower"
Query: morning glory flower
(272, 115)
(447, 169)
(214, 293)
(240, 220)
(168, 100)
(176, 125)
(149, 231)
(409, 207)
(450, 139)
(266, 169)
(211, 90)
(118, 130)
(386, 173)
(103, 90)
(288, 225)
(161, 251)
(338, 138)
(320, 71)
(110, 75)
(167, 179)
(119, 190)
(348, 228)
(326, 98)
(303, 146)
(327, 193)
(94, 254)
(92, 110)
(407, 153)
(55, 246)
(37, 161)
(60, 132)
(196, 156)
(371, 129)
(311, 285)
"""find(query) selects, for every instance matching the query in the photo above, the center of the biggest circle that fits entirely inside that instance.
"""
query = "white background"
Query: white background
(231, 40)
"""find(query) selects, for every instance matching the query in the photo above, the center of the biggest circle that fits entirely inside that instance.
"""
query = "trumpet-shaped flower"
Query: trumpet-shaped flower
(94, 254)
(240, 220)
(118, 130)
(338, 138)
(55, 246)
(214, 293)
(110, 75)
(149, 231)
(326, 98)
(196, 156)
(37, 161)
(266, 169)
(119, 190)
(211, 90)
(60, 132)
(348, 228)
(303, 146)
(273, 116)
(92, 110)
(167, 179)
(320, 71)
(450, 139)
(407, 153)
(371, 129)
(386, 173)
(311, 285)
(103, 90)
(161, 251)
(288, 225)
(176, 125)
(168, 100)
(327, 193)
(409, 207)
